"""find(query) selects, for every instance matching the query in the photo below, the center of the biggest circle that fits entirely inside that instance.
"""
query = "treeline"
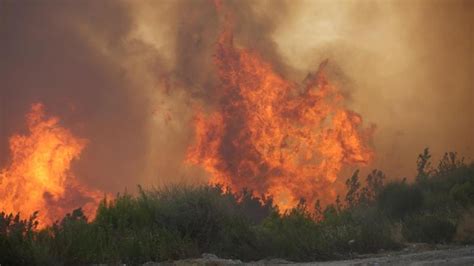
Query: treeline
(183, 222)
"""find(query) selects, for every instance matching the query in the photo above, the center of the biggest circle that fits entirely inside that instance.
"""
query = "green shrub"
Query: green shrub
(429, 228)
(374, 231)
(463, 193)
(17, 240)
(294, 235)
(399, 199)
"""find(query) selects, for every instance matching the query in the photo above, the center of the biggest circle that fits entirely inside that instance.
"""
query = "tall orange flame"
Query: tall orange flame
(38, 177)
(276, 137)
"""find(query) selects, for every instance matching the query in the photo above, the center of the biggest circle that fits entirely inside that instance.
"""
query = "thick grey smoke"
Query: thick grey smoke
(125, 75)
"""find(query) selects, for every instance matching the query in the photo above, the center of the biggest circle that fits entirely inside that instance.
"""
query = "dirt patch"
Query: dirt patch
(413, 254)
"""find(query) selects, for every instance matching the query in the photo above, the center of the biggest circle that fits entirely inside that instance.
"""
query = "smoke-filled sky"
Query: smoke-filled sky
(126, 74)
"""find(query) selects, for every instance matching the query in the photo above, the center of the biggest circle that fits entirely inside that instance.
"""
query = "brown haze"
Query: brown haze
(126, 74)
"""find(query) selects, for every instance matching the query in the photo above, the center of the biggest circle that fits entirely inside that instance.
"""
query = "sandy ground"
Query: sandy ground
(449, 256)
(416, 254)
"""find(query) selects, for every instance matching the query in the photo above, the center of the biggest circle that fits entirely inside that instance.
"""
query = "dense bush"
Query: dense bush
(429, 227)
(16, 239)
(181, 222)
(399, 199)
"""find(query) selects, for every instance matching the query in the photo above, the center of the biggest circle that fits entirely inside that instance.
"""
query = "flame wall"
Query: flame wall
(124, 74)
(38, 179)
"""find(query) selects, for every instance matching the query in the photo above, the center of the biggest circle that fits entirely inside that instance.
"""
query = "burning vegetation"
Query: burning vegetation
(278, 138)
(277, 152)
(184, 222)
(38, 178)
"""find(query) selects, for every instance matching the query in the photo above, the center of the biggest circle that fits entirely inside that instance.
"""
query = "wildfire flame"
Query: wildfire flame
(276, 137)
(38, 177)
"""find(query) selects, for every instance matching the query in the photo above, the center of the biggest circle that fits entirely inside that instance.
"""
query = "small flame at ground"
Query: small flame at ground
(276, 137)
(38, 177)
